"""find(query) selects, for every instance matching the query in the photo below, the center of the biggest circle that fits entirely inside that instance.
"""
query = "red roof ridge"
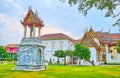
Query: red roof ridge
(11, 45)
(51, 34)
(56, 36)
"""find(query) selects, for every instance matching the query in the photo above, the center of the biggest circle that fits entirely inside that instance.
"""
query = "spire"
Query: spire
(109, 30)
(36, 12)
(109, 35)
(29, 7)
(91, 27)
(85, 29)
(101, 33)
(102, 30)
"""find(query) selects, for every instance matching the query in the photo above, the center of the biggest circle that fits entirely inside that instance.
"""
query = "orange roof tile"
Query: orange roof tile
(98, 34)
(114, 36)
(105, 35)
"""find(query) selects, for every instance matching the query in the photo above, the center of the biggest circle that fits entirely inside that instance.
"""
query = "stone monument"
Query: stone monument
(31, 48)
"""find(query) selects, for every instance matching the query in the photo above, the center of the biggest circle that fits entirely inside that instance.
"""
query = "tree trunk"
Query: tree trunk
(65, 61)
(50, 61)
(58, 60)
(91, 62)
(71, 60)
(78, 63)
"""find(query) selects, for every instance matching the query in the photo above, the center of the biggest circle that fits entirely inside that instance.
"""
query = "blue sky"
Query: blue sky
(57, 17)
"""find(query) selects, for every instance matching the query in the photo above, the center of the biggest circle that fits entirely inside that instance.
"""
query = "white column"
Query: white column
(25, 31)
(30, 33)
(34, 31)
(39, 31)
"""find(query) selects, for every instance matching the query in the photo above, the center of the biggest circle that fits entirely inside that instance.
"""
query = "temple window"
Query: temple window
(53, 45)
(61, 44)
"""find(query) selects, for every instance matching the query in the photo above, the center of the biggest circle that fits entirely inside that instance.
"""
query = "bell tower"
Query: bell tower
(31, 48)
(31, 22)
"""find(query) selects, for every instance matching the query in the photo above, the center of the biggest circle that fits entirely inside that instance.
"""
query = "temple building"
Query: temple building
(12, 49)
(111, 41)
(102, 47)
(54, 42)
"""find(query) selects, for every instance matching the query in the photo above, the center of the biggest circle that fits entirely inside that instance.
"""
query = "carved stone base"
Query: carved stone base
(30, 67)
(30, 55)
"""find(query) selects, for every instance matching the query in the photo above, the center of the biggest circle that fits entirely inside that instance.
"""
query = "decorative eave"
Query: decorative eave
(91, 40)
(31, 23)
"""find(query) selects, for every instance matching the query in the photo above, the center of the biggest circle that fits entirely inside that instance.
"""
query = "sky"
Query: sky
(58, 17)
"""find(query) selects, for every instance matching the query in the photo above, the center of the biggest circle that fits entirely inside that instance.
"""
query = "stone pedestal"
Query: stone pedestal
(30, 55)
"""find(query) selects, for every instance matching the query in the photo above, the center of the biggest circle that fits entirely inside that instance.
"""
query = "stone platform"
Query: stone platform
(30, 55)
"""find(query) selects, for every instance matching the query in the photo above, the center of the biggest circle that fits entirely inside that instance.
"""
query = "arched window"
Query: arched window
(39, 54)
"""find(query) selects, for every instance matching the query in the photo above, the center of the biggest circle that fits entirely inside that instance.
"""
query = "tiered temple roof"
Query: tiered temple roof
(109, 38)
(12, 48)
(32, 19)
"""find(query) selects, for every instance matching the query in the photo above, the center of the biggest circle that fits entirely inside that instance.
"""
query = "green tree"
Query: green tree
(57, 55)
(60, 54)
(82, 52)
(63, 54)
(70, 54)
(3, 54)
(110, 6)
(118, 46)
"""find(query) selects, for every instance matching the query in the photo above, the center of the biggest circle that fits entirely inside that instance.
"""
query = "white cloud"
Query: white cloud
(11, 29)
(16, 5)
(48, 3)
(51, 28)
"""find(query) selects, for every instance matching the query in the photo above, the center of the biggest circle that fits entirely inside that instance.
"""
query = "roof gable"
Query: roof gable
(89, 41)
(29, 16)
(32, 19)
(94, 35)
(86, 41)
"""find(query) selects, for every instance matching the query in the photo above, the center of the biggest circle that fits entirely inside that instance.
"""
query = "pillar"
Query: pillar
(98, 56)
(34, 31)
(25, 31)
(30, 32)
(39, 31)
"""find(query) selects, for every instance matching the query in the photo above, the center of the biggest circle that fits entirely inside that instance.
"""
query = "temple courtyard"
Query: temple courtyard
(61, 71)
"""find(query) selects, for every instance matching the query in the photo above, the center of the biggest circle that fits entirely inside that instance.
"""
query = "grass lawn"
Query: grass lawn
(59, 71)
